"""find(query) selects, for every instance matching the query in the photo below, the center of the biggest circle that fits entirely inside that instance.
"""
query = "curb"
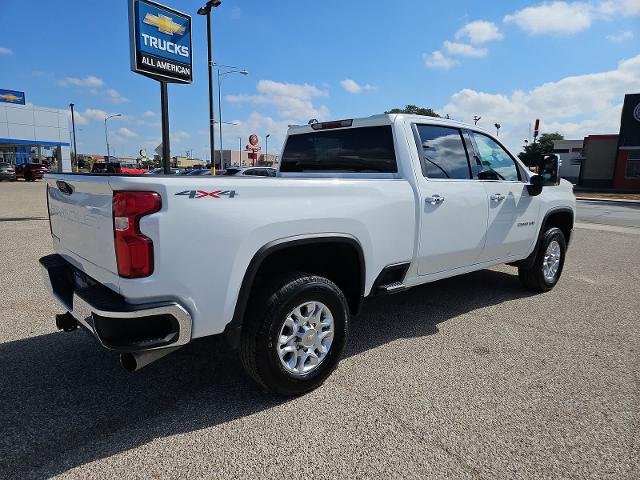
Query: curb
(614, 200)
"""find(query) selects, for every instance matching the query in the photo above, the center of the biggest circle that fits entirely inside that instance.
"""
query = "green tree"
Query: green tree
(415, 110)
(534, 152)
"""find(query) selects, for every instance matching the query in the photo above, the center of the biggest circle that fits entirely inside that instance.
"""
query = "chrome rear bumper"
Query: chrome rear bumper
(118, 325)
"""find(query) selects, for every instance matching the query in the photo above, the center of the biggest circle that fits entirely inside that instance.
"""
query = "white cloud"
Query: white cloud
(179, 136)
(125, 132)
(89, 81)
(148, 113)
(464, 49)
(479, 31)
(305, 90)
(5, 51)
(352, 86)
(620, 37)
(575, 106)
(290, 99)
(561, 18)
(114, 96)
(619, 7)
(436, 59)
(261, 125)
(567, 18)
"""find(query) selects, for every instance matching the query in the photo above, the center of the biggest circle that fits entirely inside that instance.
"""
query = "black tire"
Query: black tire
(533, 277)
(269, 309)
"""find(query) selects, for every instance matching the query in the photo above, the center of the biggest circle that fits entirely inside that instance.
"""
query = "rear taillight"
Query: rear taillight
(134, 251)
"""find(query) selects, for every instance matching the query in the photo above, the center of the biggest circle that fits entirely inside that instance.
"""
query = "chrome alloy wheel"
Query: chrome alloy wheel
(305, 338)
(551, 261)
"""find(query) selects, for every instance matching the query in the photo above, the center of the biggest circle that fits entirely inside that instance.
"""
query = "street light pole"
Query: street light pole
(106, 132)
(220, 74)
(206, 10)
(75, 145)
(240, 151)
(266, 150)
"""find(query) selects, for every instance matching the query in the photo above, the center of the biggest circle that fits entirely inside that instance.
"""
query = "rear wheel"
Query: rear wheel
(545, 272)
(295, 334)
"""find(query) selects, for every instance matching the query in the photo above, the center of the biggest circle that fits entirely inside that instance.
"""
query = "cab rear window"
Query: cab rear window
(350, 150)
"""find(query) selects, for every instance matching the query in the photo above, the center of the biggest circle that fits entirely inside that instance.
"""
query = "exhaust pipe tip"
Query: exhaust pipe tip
(134, 361)
(66, 322)
(128, 362)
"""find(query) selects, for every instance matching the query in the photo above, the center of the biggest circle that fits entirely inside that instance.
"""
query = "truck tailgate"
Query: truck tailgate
(81, 221)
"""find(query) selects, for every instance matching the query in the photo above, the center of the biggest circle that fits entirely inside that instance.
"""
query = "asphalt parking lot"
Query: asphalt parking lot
(470, 377)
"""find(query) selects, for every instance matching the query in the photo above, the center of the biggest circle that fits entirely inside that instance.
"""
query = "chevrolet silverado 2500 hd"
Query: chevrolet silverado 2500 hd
(359, 207)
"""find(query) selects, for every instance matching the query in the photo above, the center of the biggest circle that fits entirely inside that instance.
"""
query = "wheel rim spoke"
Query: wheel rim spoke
(551, 261)
(305, 338)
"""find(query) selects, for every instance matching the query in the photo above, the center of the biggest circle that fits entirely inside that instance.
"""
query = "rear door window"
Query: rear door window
(443, 152)
(350, 150)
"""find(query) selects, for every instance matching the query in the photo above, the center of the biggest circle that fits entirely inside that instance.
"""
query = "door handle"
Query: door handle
(497, 197)
(434, 199)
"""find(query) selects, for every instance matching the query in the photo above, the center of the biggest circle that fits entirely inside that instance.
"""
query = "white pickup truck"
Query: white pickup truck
(278, 265)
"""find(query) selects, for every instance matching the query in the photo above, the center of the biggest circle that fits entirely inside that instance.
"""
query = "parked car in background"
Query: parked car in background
(199, 172)
(250, 172)
(30, 171)
(117, 167)
(160, 171)
(7, 172)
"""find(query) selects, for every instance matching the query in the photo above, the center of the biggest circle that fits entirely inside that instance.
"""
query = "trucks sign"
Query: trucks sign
(160, 39)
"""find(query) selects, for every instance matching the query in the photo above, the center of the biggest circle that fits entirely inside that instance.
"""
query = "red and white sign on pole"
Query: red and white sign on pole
(536, 129)
(253, 148)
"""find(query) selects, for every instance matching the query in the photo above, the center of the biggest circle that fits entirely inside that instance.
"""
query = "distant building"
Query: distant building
(184, 162)
(606, 161)
(570, 154)
(30, 134)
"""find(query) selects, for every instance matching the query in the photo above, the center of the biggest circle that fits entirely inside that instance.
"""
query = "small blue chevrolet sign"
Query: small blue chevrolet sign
(160, 42)
(12, 96)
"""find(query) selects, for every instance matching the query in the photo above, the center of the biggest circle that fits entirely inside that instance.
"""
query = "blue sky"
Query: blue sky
(568, 63)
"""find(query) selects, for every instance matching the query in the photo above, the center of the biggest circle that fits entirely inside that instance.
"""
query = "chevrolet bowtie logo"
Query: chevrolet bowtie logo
(10, 97)
(164, 24)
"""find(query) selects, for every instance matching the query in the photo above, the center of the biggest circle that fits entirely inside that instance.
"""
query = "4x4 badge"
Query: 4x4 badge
(196, 194)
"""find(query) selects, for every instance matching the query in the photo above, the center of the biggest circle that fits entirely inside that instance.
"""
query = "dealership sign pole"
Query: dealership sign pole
(160, 41)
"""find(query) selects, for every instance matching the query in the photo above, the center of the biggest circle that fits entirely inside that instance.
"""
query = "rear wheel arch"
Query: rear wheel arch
(338, 257)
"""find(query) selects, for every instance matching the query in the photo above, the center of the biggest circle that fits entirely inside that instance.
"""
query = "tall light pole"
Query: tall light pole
(476, 119)
(240, 151)
(266, 147)
(106, 132)
(75, 145)
(231, 70)
(206, 10)
(497, 125)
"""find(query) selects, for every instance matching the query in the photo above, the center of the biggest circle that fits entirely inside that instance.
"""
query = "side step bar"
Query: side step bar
(395, 287)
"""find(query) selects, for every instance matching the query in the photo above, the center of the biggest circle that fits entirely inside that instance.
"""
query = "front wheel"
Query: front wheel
(545, 272)
(295, 334)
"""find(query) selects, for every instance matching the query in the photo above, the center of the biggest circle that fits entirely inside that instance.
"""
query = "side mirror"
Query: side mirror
(535, 186)
(548, 170)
